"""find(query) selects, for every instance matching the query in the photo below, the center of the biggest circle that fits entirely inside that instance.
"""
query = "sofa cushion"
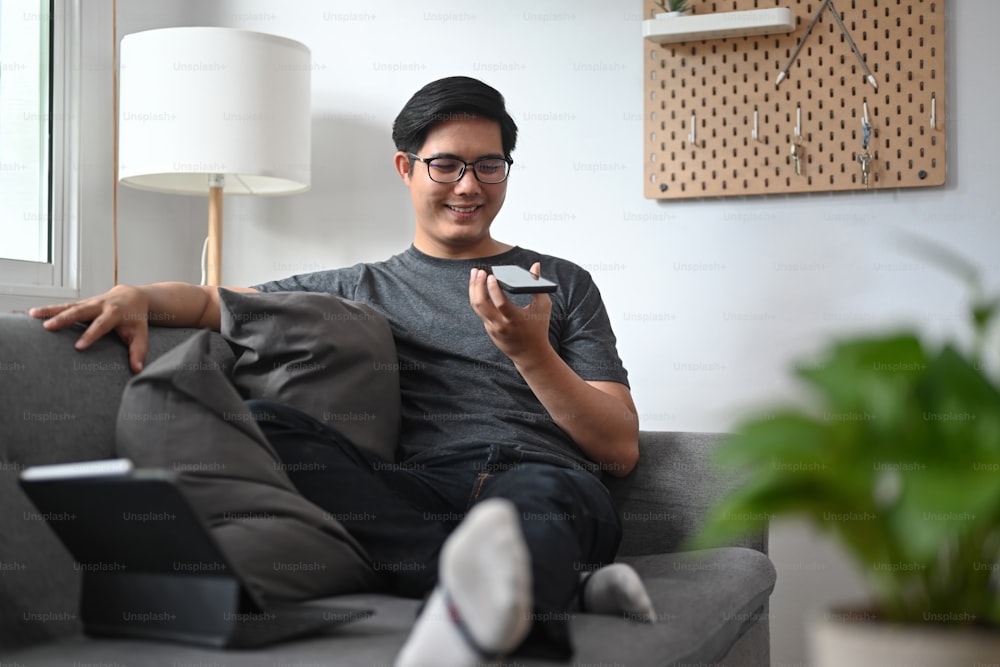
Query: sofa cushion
(706, 600)
(331, 358)
(182, 414)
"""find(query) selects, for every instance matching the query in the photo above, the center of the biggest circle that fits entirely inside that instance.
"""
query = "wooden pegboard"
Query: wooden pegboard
(721, 82)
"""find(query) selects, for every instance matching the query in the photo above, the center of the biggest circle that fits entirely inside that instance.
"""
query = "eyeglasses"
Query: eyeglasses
(490, 170)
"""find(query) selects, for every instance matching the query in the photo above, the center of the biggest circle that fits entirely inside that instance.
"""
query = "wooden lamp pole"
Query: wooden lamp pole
(214, 253)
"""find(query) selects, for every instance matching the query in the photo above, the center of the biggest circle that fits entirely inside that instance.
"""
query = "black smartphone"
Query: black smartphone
(515, 280)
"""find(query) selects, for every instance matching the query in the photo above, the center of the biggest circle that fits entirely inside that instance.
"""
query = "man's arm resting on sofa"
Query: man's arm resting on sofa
(128, 309)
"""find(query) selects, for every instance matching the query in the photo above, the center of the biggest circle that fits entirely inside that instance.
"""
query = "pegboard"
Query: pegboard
(719, 84)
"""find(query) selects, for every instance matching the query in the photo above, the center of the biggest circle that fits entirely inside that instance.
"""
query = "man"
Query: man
(512, 406)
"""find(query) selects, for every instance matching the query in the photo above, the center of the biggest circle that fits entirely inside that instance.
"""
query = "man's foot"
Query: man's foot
(481, 608)
(615, 590)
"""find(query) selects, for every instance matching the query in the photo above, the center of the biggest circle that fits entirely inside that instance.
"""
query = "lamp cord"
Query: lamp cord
(204, 262)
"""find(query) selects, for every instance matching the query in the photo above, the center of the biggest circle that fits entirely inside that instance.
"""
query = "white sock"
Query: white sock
(616, 589)
(485, 570)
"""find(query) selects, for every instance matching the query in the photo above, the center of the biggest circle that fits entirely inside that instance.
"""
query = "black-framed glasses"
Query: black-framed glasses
(491, 170)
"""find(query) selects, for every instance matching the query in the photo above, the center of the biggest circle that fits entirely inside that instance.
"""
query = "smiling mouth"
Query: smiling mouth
(464, 210)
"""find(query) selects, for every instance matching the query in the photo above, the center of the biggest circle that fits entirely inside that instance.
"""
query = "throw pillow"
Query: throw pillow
(182, 414)
(332, 358)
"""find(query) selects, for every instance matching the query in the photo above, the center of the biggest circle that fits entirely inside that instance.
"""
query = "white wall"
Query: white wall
(711, 300)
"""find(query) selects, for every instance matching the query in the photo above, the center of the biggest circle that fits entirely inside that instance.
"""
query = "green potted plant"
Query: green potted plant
(895, 452)
(672, 8)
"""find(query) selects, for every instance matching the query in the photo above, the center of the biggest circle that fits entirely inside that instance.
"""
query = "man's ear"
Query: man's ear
(403, 163)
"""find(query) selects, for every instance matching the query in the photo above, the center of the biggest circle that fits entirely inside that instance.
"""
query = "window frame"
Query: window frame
(61, 276)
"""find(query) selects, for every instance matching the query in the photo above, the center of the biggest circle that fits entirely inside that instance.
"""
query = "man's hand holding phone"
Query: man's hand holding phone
(520, 332)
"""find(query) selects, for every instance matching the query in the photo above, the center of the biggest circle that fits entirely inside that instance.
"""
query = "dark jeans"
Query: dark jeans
(401, 513)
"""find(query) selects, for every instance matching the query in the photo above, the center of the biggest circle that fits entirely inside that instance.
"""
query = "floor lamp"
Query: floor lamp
(214, 111)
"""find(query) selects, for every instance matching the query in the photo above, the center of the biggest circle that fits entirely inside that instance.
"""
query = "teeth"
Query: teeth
(468, 209)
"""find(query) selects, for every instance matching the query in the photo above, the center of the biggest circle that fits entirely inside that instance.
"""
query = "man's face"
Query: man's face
(453, 219)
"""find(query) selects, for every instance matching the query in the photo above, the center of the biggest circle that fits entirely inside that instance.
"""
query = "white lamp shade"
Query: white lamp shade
(198, 102)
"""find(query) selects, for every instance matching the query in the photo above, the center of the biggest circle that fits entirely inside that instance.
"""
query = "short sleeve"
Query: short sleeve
(587, 342)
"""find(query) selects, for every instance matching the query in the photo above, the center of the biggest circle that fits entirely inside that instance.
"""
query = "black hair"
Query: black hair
(452, 98)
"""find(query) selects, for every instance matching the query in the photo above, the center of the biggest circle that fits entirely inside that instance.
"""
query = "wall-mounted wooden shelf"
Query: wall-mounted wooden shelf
(719, 25)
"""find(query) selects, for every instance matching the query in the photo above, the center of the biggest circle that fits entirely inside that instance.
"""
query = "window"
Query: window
(39, 55)
(25, 117)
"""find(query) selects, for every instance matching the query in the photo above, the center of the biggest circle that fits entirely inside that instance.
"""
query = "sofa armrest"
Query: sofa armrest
(59, 404)
(56, 405)
(666, 497)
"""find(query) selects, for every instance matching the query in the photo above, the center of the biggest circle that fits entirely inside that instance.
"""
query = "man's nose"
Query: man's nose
(468, 182)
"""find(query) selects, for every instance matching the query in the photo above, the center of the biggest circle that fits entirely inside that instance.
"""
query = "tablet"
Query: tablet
(151, 568)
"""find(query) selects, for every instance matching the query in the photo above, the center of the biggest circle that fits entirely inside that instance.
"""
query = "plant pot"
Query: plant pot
(669, 15)
(859, 639)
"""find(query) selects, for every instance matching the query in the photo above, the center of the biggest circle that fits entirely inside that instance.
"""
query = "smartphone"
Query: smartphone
(515, 280)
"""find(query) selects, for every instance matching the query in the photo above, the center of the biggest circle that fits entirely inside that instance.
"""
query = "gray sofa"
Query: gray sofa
(59, 405)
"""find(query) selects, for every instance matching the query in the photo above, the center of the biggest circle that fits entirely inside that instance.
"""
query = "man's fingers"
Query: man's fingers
(68, 317)
(536, 269)
(54, 317)
(497, 296)
(118, 310)
(137, 349)
(479, 295)
(97, 328)
(61, 316)
(474, 288)
(43, 312)
(135, 335)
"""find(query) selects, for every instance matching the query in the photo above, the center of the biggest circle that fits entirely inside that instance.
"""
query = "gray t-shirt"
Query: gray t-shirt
(458, 389)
